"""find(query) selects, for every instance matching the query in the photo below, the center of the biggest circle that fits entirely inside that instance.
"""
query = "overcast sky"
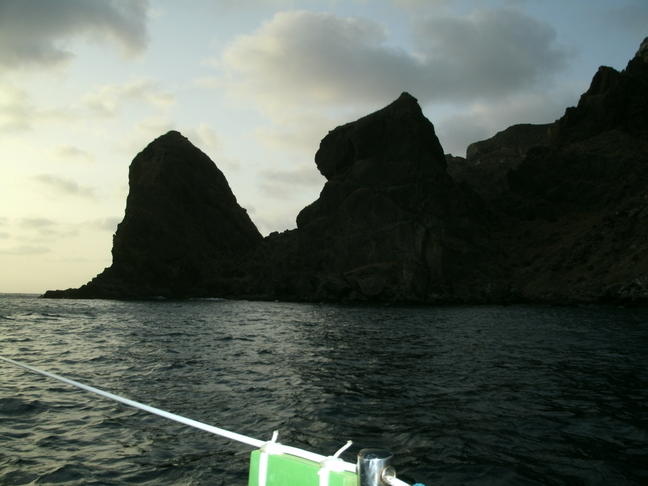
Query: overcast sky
(256, 84)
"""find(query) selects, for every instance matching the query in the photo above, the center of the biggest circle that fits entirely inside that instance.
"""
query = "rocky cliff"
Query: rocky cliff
(389, 225)
(538, 213)
(181, 231)
(571, 222)
(488, 162)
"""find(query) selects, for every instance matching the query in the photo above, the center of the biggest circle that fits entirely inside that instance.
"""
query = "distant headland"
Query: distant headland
(553, 213)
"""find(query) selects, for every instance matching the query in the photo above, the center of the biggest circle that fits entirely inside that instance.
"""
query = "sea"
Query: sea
(486, 395)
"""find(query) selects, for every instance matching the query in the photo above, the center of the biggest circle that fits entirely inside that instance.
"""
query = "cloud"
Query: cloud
(24, 250)
(70, 152)
(281, 183)
(299, 56)
(18, 113)
(310, 71)
(103, 224)
(15, 109)
(299, 132)
(303, 57)
(490, 53)
(274, 220)
(4, 235)
(206, 139)
(65, 187)
(143, 133)
(154, 127)
(36, 223)
(107, 99)
(36, 32)
(481, 120)
(45, 228)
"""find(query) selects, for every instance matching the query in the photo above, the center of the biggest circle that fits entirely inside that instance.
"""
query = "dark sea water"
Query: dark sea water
(461, 395)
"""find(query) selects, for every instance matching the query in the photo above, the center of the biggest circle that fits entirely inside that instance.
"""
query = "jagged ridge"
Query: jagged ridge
(556, 214)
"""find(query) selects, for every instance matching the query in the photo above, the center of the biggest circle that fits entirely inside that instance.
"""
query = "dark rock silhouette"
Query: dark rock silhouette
(181, 230)
(389, 225)
(538, 213)
(573, 222)
(614, 101)
(488, 162)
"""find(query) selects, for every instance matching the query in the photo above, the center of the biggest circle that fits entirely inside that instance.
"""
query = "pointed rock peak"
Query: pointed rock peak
(171, 135)
(170, 149)
(642, 53)
(405, 103)
(396, 135)
(405, 97)
(171, 140)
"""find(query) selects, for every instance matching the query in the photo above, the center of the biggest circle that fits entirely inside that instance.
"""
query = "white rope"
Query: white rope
(277, 448)
(332, 463)
(147, 408)
(268, 448)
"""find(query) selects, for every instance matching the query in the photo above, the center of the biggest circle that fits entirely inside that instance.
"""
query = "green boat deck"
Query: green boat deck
(286, 470)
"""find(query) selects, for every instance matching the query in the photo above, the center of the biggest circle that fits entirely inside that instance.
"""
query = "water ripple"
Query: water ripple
(486, 395)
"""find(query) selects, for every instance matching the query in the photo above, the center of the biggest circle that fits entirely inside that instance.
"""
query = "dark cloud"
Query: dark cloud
(65, 186)
(489, 53)
(317, 56)
(33, 32)
(301, 56)
(4, 235)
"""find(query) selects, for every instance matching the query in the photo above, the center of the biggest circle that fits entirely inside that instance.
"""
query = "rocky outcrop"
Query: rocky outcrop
(614, 101)
(538, 213)
(573, 221)
(181, 231)
(488, 162)
(389, 225)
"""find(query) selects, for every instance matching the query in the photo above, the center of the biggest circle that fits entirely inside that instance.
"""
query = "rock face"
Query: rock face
(389, 225)
(614, 101)
(488, 162)
(181, 230)
(538, 213)
(572, 223)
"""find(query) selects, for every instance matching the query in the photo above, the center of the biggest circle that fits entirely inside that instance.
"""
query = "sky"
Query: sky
(256, 84)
